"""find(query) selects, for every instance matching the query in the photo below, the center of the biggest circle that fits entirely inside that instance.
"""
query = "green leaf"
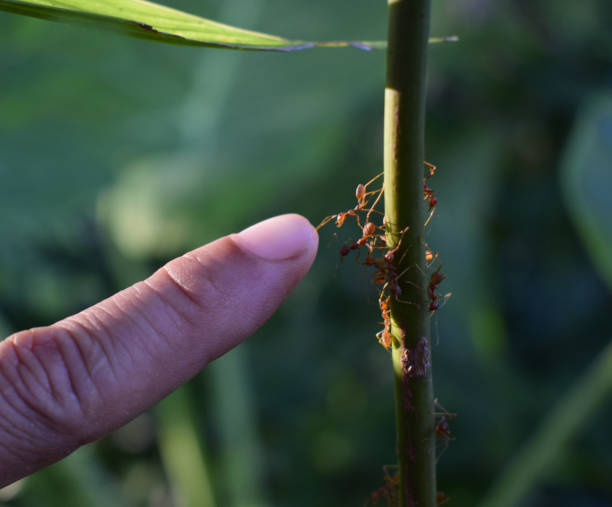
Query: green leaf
(147, 20)
(587, 180)
(151, 21)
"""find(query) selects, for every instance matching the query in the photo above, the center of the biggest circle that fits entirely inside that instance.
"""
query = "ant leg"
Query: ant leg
(450, 415)
(414, 266)
(380, 193)
(385, 287)
(446, 297)
(380, 213)
(374, 179)
(406, 302)
(432, 168)
(431, 214)
(325, 221)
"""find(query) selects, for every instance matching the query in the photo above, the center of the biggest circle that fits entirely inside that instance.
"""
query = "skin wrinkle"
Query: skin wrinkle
(138, 332)
(16, 427)
(108, 335)
(40, 418)
(51, 413)
(208, 265)
(26, 419)
(167, 270)
(179, 315)
(14, 430)
(189, 323)
(198, 285)
(82, 356)
(8, 454)
(30, 395)
(121, 372)
(153, 329)
(86, 391)
(27, 358)
(156, 328)
(176, 318)
(80, 333)
(67, 368)
(196, 282)
(150, 336)
(8, 451)
(84, 359)
(105, 339)
(17, 434)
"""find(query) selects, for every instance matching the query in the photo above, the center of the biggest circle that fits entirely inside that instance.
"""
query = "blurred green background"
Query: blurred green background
(117, 154)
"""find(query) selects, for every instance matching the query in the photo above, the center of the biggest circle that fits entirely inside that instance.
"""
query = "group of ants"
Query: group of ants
(382, 257)
(374, 239)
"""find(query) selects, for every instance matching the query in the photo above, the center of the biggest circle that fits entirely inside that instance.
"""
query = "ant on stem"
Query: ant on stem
(361, 194)
(384, 336)
(387, 272)
(437, 277)
(429, 193)
(442, 429)
(389, 492)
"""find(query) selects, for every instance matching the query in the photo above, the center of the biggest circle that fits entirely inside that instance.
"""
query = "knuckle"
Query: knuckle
(202, 284)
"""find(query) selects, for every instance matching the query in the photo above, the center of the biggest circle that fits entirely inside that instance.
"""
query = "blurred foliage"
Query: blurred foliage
(587, 181)
(116, 155)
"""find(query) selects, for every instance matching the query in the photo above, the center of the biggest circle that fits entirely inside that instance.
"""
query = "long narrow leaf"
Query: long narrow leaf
(151, 21)
(147, 20)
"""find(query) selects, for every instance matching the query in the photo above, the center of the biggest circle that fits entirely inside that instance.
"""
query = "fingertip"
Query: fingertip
(279, 238)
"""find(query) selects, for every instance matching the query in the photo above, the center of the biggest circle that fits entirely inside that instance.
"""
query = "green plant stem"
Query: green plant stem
(181, 451)
(405, 211)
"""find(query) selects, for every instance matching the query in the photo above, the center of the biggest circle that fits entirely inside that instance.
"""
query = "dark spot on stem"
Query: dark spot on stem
(416, 361)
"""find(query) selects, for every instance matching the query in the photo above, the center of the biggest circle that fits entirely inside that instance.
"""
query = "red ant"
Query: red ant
(389, 492)
(384, 336)
(442, 429)
(430, 257)
(390, 255)
(368, 232)
(368, 238)
(434, 297)
(361, 195)
(429, 193)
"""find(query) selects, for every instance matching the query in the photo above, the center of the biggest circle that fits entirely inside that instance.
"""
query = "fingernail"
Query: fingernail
(279, 238)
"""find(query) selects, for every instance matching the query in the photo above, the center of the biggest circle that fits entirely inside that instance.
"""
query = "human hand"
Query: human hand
(70, 383)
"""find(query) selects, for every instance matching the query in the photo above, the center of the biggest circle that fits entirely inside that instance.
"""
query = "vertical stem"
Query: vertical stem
(404, 208)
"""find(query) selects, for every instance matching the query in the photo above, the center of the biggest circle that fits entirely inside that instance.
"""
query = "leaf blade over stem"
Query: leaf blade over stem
(150, 21)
